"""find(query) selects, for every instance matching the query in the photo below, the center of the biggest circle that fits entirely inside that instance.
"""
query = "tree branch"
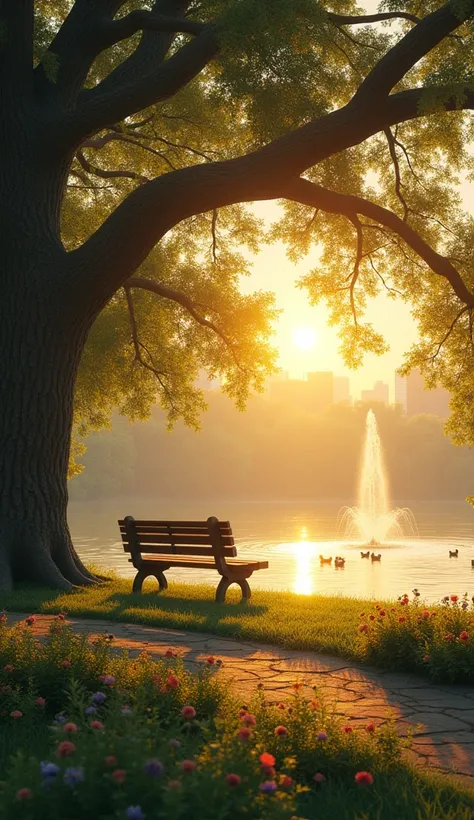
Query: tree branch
(396, 166)
(104, 174)
(364, 19)
(146, 20)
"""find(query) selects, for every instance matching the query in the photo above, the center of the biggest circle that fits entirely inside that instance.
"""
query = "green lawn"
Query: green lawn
(320, 623)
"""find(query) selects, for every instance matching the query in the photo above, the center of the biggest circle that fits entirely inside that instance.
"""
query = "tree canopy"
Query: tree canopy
(359, 123)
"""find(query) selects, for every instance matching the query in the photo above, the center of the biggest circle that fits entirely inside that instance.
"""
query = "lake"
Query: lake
(291, 536)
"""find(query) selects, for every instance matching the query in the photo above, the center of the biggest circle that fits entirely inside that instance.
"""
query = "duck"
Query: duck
(339, 562)
(365, 554)
(324, 560)
(375, 557)
(453, 553)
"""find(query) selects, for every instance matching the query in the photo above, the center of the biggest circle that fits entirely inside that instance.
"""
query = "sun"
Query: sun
(305, 338)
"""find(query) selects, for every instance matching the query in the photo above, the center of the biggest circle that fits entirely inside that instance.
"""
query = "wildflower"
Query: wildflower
(365, 778)
(154, 767)
(281, 731)
(8, 668)
(382, 613)
(242, 712)
(363, 627)
(347, 730)
(449, 636)
(268, 787)
(109, 680)
(313, 705)
(24, 794)
(233, 780)
(446, 599)
(319, 778)
(97, 724)
(119, 776)
(65, 664)
(416, 593)
(210, 660)
(170, 654)
(73, 775)
(464, 605)
(172, 682)
(30, 620)
(463, 636)
(401, 619)
(370, 728)
(98, 697)
(321, 736)
(90, 710)
(425, 614)
(188, 712)
(60, 719)
(244, 734)
(134, 813)
(286, 782)
(371, 617)
(281, 706)
(70, 728)
(3, 617)
(297, 685)
(40, 702)
(16, 714)
(454, 598)
(65, 748)
(267, 759)
(426, 658)
(248, 720)
(126, 711)
(188, 766)
(110, 760)
(175, 744)
(48, 770)
(362, 615)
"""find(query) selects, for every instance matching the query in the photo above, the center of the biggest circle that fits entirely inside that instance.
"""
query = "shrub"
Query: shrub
(437, 641)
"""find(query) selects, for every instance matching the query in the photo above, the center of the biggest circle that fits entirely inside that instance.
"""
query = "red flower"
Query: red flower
(30, 620)
(365, 778)
(65, 664)
(110, 760)
(426, 658)
(425, 614)
(8, 668)
(233, 780)
(170, 654)
(40, 702)
(362, 615)
(248, 720)
(119, 776)
(319, 778)
(449, 636)
(370, 728)
(267, 759)
(188, 712)
(210, 660)
(401, 619)
(348, 730)
(281, 731)
(24, 794)
(281, 706)
(382, 613)
(371, 617)
(463, 636)
(363, 627)
(172, 682)
(97, 724)
(16, 714)
(242, 712)
(286, 782)
(188, 766)
(65, 748)
(70, 728)
(244, 734)
(454, 598)
(297, 685)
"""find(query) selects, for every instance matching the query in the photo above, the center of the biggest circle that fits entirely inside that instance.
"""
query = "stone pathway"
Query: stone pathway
(443, 714)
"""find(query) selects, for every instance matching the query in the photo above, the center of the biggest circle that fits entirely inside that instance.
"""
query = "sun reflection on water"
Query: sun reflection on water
(304, 553)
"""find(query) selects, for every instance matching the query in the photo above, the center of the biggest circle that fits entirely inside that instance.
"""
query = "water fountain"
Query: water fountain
(372, 520)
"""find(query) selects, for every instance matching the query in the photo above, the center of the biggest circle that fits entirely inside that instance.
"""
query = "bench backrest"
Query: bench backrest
(205, 538)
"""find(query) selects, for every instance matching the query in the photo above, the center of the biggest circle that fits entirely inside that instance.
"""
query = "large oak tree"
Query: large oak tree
(160, 118)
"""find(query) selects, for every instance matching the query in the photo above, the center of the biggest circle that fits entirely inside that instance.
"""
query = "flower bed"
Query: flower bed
(409, 635)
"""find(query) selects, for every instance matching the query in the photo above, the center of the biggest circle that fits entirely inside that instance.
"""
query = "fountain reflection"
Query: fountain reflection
(373, 521)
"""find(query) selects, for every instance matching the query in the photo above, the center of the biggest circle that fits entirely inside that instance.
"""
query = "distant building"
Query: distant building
(401, 391)
(421, 400)
(276, 378)
(342, 390)
(320, 391)
(379, 393)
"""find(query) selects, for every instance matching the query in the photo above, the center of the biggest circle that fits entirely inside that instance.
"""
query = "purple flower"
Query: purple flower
(90, 710)
(73, 775)
(48, 769)
(98, 697)
(268, 786)
(154, 767)
(60, 719)
(134, 813)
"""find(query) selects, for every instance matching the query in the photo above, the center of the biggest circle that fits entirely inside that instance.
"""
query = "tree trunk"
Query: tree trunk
(40, 349)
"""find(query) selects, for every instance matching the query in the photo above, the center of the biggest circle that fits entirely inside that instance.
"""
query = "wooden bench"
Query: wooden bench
(189, 544)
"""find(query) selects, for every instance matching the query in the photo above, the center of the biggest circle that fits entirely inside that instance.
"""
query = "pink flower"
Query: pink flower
(30, 620)
(40, 702)
(244, 734)
(188, 712)
(65, 748)
(172, 682)
(242, 712)
(65, 664)
(16, 714)
(463, 636)
(321, 736)
(426, 658)
(319, 778)
(248, 720)
(70, 728)
(365, 778)
(8, 668)
(97, 724)
(110, 760)
(449, 636)
(348, 730)
(370, 728)
(425, 614)
(267, 759)
(233, 780)
(24, 794)
(363, 627)
(188, 766)
(281, 731)
(119, 776)
(108, 680)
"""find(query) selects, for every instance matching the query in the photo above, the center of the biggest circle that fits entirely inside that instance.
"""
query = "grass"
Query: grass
(325, 624)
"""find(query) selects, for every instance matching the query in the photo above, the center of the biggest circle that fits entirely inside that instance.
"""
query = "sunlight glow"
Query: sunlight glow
(303, 581)
(305, 338)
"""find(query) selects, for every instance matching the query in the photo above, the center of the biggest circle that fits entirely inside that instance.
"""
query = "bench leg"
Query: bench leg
(224, 585)
(144, 573)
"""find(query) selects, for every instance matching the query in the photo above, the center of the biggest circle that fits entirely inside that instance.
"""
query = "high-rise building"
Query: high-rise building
(401, 391)
(422, 400)
(320, 391)
(342, 390)
(378, 393)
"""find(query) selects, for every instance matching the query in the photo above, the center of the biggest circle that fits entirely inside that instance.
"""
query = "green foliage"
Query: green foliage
(436, 641)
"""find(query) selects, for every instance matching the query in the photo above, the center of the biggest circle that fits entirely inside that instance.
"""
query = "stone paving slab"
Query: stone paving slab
(442, 717)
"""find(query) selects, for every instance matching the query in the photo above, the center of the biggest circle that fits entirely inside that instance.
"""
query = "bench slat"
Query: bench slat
(176, 561)
(199, 540)
(228, 552)
(140, 522)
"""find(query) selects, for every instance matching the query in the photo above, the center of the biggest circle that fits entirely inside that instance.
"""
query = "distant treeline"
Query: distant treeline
(272, 451)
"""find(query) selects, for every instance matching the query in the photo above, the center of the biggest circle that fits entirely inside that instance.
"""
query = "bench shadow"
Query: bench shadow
(206, 610)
